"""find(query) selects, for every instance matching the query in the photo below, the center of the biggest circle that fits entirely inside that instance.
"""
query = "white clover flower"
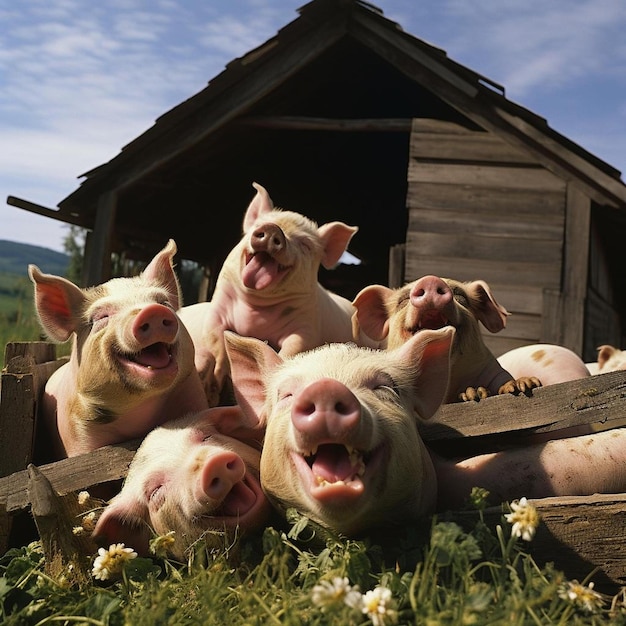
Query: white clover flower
(379, 606)
(337, 591)
(110, 562)
(83, 497)
(88, 521)
(524, 518)
(582, 596)
(160, 545)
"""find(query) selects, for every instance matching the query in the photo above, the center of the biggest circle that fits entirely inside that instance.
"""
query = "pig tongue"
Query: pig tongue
(238, 501)
(260, 271)
(156, 356)
(332, 463)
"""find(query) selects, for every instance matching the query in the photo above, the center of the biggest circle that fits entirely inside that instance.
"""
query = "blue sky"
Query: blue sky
(80, 79)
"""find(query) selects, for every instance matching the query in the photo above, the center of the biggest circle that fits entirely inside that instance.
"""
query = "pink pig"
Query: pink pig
(342, 443)
(132, 361)
(197, 476)
(268, 289)
(549, 362)
(392, 316)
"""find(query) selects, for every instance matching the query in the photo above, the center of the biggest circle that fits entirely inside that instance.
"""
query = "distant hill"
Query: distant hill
(15, 257)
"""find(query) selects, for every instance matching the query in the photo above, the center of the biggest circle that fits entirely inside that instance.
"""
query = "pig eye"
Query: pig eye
(387, 392)
(156, 496)
(98, 319)
(460, 296)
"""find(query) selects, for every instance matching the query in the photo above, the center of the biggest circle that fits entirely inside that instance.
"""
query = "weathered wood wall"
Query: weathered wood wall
(480, 208)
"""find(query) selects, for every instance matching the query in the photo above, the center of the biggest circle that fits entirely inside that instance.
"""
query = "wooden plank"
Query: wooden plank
(501, 249)
(488, 200)
(497, 177)
(484, 224)
(397, 254)
(499, 344)
(494, 272)
(470, 146)
(581, 535)
(74, 474)
(301, 122)
(28, 367)
(597, 401)
(521, 326)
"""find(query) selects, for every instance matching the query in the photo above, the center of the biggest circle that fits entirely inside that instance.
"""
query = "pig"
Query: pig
(268, 289)
(341, 426)
(549, 362)
(197, 475)
(563, 466)
(132, 361)
(392, 316)
(342, 444)
(610, 359)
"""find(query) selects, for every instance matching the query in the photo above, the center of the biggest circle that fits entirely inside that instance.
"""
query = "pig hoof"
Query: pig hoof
(472, 394)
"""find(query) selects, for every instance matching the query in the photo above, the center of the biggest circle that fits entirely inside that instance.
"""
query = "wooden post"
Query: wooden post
(99, 260)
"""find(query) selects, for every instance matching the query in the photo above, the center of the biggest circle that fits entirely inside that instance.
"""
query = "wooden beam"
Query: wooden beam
(287, 122)
(55, 214)
(596, 400)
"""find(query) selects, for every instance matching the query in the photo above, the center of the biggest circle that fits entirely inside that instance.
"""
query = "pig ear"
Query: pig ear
(259, 205)
(250, 361)
(233, 422)
(371, 315)
(59, 304)
(429, 350)
(116, 525)
(484, 305)
(335, 237)
(605, 352)
(161, 269)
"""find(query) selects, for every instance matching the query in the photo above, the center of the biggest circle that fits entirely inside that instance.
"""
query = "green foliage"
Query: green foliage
(309, 577)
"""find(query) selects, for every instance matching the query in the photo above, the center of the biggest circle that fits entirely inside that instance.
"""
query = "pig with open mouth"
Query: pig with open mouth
(132, 360)
(392, 316)
(342, 442)
(197, 476)
(268, 288)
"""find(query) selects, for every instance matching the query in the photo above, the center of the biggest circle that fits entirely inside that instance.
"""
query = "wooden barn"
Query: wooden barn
(344, 116)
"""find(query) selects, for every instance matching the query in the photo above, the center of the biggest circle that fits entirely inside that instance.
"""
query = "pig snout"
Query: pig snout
(431, 292)
(268, 238)
(326, 410)
(219, 474)
(155, 323)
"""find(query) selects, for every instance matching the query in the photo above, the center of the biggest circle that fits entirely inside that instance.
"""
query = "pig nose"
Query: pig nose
(220, 473)
(431, 291)
(268, 238)
(326, 409)
(154, 323)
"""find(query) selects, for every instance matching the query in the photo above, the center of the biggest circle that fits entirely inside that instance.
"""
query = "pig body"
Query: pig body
(342, 443)
(191, 477)
(610, 359)
(268, 289)
(569, 466)
(549, 362)
(132, 361)
(392, 316)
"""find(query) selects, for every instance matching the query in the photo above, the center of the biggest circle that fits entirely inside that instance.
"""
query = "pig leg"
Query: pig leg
(582, 465)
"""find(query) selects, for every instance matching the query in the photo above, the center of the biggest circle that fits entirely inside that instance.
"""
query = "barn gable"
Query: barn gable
(343, 115)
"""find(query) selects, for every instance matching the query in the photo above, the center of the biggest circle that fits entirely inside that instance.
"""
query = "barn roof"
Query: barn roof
(341, 66)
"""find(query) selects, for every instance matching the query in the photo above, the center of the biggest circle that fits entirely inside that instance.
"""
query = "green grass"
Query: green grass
(445, 575)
